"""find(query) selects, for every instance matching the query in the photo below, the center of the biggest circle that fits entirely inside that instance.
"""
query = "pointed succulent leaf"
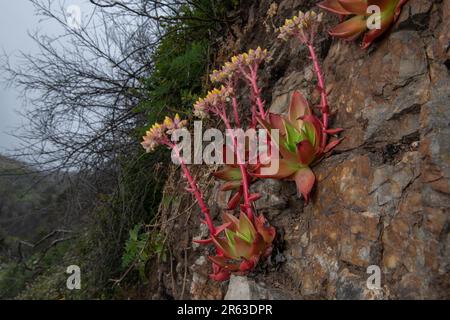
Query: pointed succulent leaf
(243, 248)
(235, 200)
(293, 136)
(358, 7)
(224, 247)
(220, 276)
(305, 179)
(298, 108)
(231, 185)
(224, 263)
(230, 237)
(232, 220)
(222, 228)
(387, 18)
(228, 174)
(306, 152)
(350, 29)
(203, 241)
(276, 122)
(332, 145)
(285, 170)
(264, 229)
(333, 6)
(258, 246)
(246, 228)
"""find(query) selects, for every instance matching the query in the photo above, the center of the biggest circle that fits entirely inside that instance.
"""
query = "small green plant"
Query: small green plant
(140, 247)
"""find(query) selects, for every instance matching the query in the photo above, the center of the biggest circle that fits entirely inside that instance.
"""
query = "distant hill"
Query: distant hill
(27, 200)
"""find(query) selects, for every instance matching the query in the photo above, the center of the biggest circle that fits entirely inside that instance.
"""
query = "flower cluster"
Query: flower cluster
(158, 133)
(303, 26)
(216, 98)
(235, 66)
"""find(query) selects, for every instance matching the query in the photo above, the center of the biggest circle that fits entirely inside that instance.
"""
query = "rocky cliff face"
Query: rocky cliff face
(383, 196)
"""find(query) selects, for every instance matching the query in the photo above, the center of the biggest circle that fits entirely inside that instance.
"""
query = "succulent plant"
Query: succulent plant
(300, 144)
(352, 28)
(242, 246)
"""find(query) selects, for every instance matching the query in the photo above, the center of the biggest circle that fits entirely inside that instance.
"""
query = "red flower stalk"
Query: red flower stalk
(357, 25)
(216, 103)
(159, 135)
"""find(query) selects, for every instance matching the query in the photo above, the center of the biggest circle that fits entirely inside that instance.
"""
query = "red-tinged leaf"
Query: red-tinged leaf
(254, 197)
(277, 122)
(232, 220)
(349, 29)
(306, 152)
(358, 7)
(246, 228)
(384, 5)
(220, 276)
(371, 35)
(230, 185)
(298, 108)
(264, 229)
(334, 131)
(332, 145)
(221, 228)
(235, 200)
(315, 122)
(398, 9)
(258, 247)
(224, 247)
(247, 265)
(285, 170)
(243, 248)
(224, 263)
(333, 6)
(205, 241)
(305, 179)
(228, 174)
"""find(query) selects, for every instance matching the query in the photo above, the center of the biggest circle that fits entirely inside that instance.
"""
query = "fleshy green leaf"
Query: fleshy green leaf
(246, 229)
(293, 136)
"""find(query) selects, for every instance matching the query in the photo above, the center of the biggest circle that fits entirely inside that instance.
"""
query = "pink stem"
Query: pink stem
(195, 190)
(243, 169)
(323, 93)
(257, 92)
(235, 111)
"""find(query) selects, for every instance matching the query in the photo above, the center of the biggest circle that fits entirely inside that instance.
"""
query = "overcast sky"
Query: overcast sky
(17, 18)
